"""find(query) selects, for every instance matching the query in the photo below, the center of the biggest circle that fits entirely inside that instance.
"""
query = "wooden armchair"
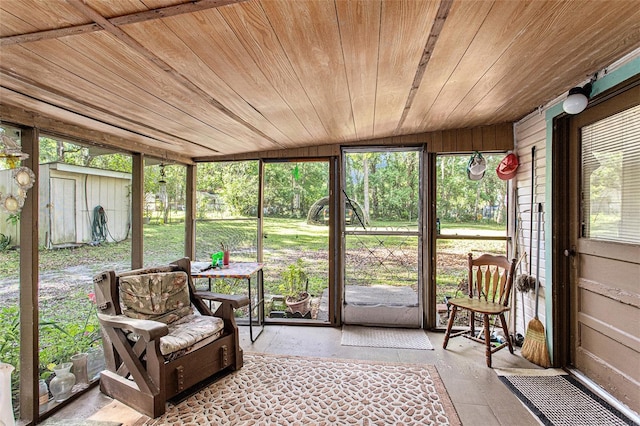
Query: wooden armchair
(159, 335)
(493, 279)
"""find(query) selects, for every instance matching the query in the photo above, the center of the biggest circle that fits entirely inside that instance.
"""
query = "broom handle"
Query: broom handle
(538, 258)
(533, 177)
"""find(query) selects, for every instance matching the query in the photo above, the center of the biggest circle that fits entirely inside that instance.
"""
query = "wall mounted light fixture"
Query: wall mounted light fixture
(577, 99)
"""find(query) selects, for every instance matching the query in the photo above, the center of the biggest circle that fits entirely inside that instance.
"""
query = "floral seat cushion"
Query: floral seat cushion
(164, 297)
(186, 333)
(161, 296)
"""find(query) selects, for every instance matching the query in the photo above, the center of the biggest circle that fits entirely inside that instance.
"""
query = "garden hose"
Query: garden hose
(99, 226)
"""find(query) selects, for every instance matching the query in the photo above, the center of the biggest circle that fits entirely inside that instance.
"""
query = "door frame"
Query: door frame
(425, 290)
(332, 247)
(563, 222)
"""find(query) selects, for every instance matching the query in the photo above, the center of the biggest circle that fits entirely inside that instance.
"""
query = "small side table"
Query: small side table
(239, 270)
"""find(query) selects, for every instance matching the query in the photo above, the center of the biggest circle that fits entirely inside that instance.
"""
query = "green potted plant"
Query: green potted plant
(295, 286)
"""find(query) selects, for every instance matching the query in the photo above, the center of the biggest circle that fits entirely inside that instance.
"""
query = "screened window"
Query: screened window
(611, 178)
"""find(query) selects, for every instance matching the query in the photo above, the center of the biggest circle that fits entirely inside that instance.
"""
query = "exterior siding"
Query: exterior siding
(530, 132)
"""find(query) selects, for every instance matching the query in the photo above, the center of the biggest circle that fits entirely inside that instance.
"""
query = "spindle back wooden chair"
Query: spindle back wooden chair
(490, 283)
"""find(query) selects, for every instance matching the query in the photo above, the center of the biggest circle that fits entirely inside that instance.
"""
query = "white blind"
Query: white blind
(611, 178)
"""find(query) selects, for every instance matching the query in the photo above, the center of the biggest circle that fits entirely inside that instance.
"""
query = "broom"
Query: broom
(535, 341)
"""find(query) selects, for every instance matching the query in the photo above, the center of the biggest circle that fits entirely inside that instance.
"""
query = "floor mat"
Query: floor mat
(561, 400)
(382, 337)
(292, 390)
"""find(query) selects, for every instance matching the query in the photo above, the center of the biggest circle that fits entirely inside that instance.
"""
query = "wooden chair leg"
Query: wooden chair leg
(506, 331)
(449, 326)
(487, 339)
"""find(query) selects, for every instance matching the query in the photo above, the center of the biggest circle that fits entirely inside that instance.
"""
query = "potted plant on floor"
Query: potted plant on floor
(295, 287)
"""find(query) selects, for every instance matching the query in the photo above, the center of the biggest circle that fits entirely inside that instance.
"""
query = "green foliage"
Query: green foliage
(5, 242)
(393, 183)
(13, 219)
(462, 200)
(294, 279)
(10, 343)
(62, 336)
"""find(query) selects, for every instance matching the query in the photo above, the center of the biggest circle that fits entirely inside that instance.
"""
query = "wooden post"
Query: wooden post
(190, 214)
(137, 210)
(29, 373)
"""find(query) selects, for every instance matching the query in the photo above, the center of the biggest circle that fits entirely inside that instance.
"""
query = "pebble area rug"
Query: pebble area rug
(291, 390)
(383, 337)
(558, 399)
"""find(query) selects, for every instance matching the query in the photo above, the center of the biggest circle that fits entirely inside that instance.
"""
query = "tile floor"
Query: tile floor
(477, 393)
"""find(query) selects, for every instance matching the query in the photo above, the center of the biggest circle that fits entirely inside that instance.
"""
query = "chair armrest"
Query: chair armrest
(235, 300)
(147, 329)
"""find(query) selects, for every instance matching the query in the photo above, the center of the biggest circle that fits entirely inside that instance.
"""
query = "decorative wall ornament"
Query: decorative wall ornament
(24, 177)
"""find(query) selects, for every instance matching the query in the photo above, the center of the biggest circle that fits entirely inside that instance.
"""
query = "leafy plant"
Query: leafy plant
(59, 341)
(294, 281)
(5, 242)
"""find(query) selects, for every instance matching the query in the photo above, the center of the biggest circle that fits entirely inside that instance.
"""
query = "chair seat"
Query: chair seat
(187, 332)
(479, 305)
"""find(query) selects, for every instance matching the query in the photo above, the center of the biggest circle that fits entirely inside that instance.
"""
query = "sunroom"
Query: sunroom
(336, 137)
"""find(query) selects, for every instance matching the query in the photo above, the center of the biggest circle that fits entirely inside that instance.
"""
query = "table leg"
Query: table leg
(260, 306)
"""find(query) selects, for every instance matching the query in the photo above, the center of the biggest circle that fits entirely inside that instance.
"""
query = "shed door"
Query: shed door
(605, 141)
(63, 211)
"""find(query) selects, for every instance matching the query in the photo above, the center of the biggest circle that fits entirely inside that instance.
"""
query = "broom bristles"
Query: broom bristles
(535, 344)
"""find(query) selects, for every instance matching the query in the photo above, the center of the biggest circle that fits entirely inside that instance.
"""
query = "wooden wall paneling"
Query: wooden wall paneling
(359, 23)
(476, 136)
(404, 29)
(464, 140)
(443, 62)
(488, 136)
(253, 30)
(504, 137)
(449, 141)
(309, 33)
(440, 141)
(436, 142)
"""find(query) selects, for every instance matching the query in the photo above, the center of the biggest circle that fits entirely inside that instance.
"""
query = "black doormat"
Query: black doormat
(561, 400)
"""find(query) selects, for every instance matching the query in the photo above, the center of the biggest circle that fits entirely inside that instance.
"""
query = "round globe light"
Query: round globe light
(575, 103)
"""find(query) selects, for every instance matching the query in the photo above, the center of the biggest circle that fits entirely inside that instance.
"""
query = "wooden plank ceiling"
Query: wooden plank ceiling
(199, 79)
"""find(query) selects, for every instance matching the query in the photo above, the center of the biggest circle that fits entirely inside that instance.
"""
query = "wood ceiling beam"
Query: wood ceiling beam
(133, 44)
(436, 28)
(89, 133)
(148, 15)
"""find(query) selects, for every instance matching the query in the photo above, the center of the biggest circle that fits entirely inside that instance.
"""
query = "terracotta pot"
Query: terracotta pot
(302, 306)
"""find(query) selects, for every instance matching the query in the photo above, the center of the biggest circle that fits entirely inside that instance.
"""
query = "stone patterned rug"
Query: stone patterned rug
(383, 337)
(291, 390)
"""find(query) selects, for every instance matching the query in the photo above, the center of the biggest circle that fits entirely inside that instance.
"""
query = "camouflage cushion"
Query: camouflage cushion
(160, 296)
